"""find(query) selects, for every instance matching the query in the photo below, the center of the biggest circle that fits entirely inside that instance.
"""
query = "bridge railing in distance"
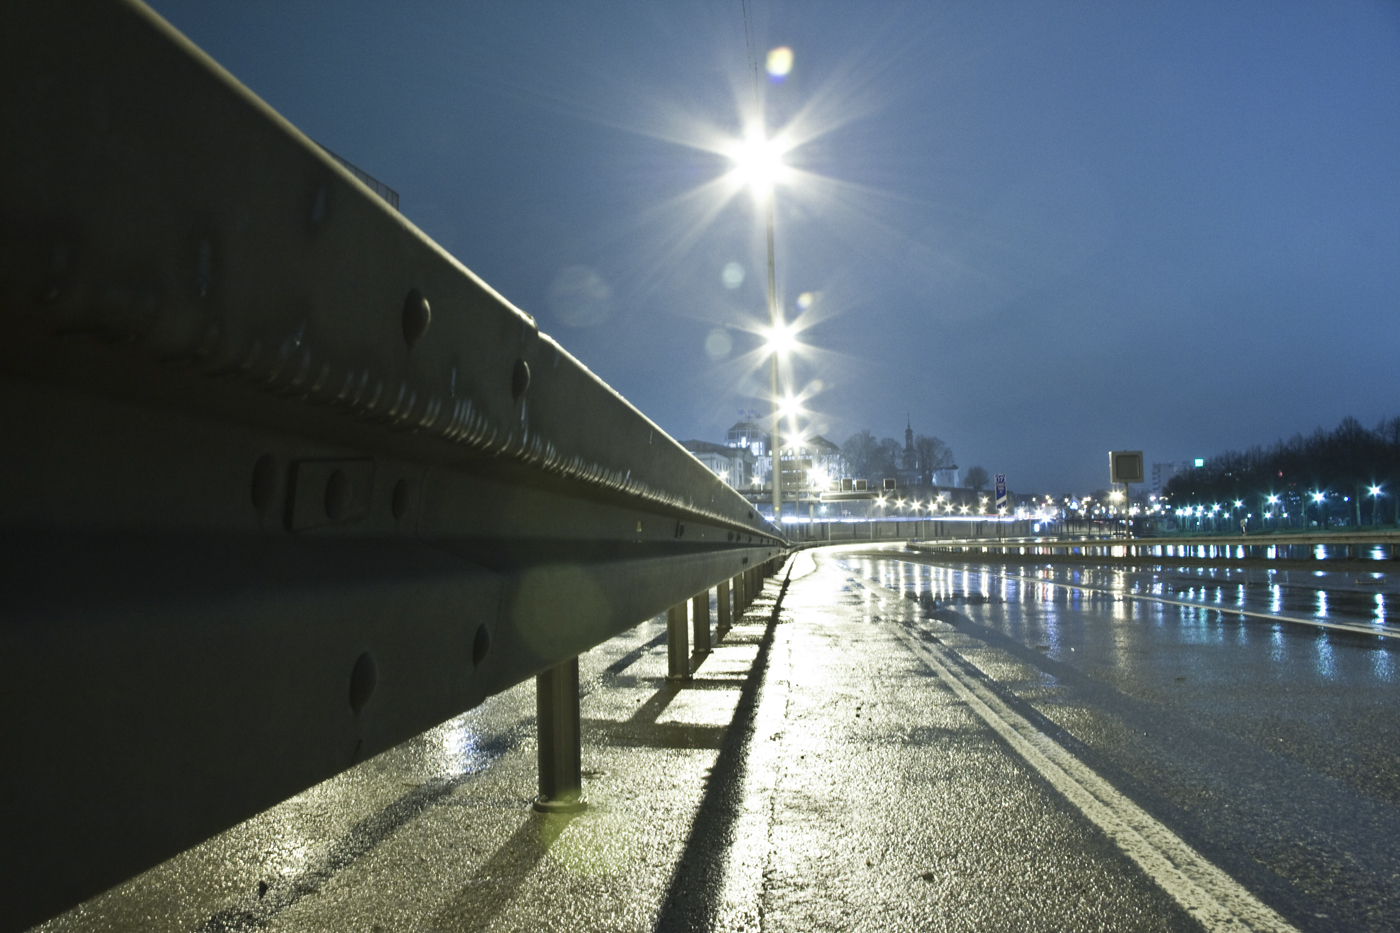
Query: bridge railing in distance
(1372, 552)
(284, 483)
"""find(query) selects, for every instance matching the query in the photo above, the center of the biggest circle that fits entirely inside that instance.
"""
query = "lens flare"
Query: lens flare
(718, 344)
(779, 62)
(732, 276)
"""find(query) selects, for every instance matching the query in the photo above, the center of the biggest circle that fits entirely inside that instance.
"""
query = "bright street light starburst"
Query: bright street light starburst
(758, 162)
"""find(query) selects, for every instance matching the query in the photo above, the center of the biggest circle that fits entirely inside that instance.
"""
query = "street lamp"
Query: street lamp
(781, 339)
(758, 160)
(1375, 493)
(1318, 498)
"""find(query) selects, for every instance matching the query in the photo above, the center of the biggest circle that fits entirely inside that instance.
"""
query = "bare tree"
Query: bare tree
(861, 453)
(891, 453)
(934, 455)
(1306, 477)
(977, 479)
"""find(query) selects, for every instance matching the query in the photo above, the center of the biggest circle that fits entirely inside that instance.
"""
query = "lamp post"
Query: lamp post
(775, 322)
(758, 162)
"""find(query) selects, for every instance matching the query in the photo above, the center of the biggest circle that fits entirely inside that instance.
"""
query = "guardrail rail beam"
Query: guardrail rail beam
(285, 483)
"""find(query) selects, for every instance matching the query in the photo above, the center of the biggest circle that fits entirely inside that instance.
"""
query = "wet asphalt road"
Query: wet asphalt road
(1273, 748)
(902, 745)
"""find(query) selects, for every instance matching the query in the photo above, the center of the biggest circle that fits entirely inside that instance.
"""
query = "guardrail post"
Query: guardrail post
(700, 622)
(741, 594)
(677, 644)
(560, 739)
(722, 597)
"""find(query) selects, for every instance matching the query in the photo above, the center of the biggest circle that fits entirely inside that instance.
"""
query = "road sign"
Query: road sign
(1125, 466)
(1001, 491)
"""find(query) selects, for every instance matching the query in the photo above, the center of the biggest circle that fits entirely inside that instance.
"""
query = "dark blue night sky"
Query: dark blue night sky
(1040, 230)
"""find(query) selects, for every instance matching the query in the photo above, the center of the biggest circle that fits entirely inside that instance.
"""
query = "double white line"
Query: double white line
(1215, 899)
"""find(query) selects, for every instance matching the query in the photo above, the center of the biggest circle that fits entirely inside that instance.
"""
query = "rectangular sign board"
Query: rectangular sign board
(1125, 466)
(1001, 491)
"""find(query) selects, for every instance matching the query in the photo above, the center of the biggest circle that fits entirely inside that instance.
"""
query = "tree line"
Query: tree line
(875, 460)
(1342, 464)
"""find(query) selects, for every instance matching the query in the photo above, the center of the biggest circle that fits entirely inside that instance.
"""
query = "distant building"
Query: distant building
(811, 465)
(735, 465)
(911, 472)
(826, 458)
(747, 434)
(1162, 474)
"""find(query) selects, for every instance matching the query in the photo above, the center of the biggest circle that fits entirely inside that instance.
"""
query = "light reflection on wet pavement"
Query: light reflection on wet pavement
(1273, 745)
(820, 773)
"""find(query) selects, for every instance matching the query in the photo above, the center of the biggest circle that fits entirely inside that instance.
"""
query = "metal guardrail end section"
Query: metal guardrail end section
(285, 484)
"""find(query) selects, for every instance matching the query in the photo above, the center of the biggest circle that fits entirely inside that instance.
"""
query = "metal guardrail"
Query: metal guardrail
(284, 483)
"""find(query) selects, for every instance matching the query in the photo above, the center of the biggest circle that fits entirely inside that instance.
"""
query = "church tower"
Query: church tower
(910, 460)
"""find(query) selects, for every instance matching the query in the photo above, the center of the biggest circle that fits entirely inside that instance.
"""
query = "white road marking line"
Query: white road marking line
(1207, 893)
(1381, 630)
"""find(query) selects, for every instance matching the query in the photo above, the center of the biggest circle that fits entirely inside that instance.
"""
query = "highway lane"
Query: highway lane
(1273, 747)
(900, 744)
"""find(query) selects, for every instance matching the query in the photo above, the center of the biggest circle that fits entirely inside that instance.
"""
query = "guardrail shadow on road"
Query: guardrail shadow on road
(692, 899)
